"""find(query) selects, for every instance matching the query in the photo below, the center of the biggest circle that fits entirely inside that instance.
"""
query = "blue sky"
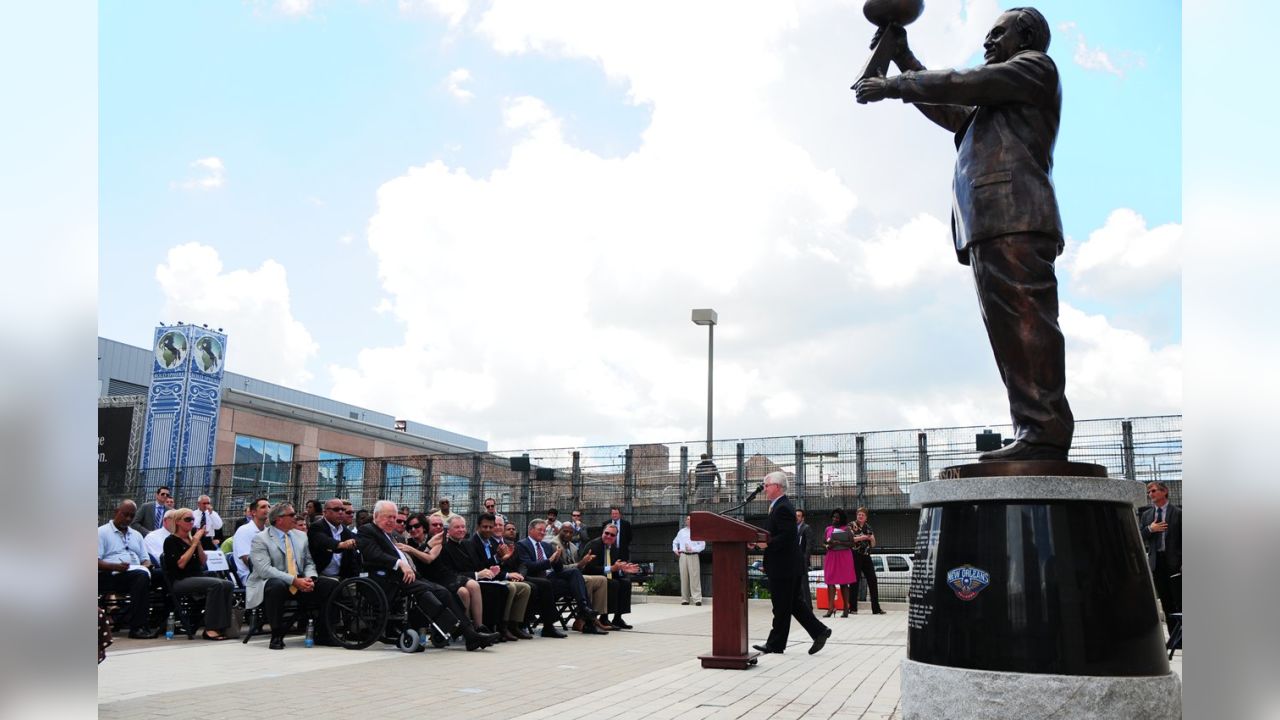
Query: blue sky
(534, 237)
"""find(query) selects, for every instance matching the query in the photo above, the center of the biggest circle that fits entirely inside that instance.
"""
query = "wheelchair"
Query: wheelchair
(367, 609)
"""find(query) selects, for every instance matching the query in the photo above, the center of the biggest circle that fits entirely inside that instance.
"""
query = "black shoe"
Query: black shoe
(819, 641)
(475, 636)
(878, 611)
(550, 631)
(590, 628)
(277, 643)
(686, 602)
(699, 603)
(1020, 450)
(520, 632)
(619, 623)
(830, 612)
(143, 634)
(766, 650)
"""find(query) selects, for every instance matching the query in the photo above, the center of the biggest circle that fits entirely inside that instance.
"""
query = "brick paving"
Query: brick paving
(649, 672)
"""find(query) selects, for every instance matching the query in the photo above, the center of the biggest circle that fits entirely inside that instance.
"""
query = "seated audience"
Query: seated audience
(154, 541)
(332, 544)
(487, 549)
(242, 542)
(183, 563)
(605, 561)
(459, 556)
(597, 585)
(283, 570)
(540, 560)
(123, 566)
(382, 556)
(433, 568)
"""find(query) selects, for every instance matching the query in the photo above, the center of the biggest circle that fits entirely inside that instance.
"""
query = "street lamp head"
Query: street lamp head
(704, 316)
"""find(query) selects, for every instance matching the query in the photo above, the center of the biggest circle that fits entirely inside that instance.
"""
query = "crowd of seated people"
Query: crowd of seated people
(486, 586)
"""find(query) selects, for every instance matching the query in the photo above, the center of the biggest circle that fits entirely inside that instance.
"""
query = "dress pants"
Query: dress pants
(217, 599)
(619, 596)
(518, 594)
(276, 594)
(1168, 589)
(866, 571)
(494, 596)
(138, 584)
(597, 590)
(568, 582)
(1018, 295)
(786, 593)
(690, 577)
(542, 601)
(435, 603)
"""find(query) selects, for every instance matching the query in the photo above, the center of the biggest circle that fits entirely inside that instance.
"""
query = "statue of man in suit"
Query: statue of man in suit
(1005, 218)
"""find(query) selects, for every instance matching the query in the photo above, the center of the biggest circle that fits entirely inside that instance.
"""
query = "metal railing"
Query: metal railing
(651, 483)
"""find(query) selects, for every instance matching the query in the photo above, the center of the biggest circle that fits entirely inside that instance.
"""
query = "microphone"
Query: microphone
(755, 492)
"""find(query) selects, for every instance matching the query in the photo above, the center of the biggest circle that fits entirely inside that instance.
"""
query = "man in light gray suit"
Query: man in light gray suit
(283, 570)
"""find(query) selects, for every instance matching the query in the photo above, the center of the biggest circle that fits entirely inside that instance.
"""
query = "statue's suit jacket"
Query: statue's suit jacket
(1005, 117)
(268, 560)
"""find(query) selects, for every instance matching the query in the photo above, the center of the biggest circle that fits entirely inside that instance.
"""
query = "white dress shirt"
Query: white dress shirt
(684, 542)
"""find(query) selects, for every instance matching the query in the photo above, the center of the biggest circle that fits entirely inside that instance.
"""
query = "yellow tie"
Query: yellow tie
(290, 566)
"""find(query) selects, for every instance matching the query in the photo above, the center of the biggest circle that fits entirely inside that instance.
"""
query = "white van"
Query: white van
(893, 576)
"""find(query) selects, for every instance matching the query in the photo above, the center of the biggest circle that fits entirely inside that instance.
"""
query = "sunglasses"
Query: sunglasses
(163, 494)
(416, 526)
(186, 519)
(399, 522)
(611, 534)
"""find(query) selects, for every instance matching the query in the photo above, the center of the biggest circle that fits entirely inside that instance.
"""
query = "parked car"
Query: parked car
(893, 576)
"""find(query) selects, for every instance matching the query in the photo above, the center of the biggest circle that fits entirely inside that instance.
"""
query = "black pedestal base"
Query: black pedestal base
(1034, 586)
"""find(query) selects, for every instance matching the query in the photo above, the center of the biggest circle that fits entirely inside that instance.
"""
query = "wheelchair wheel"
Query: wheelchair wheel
(409, 641)
(356, 613)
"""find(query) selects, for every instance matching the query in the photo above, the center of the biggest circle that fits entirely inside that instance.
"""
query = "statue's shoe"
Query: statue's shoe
(1019, 450)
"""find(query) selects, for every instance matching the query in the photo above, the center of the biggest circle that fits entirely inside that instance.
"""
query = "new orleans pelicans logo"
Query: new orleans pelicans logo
(967, 581)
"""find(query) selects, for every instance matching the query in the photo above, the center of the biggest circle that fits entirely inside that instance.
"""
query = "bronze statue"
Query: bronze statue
(1004, 218)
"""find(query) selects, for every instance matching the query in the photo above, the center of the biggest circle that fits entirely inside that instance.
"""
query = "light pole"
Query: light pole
(708, 317)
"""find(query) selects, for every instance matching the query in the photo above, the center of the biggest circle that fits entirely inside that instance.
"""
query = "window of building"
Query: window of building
(403, 485)
(457, 489)
(340, 475)
(262, 466)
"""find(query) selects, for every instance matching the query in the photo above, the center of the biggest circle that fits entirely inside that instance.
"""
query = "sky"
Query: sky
(495, 217)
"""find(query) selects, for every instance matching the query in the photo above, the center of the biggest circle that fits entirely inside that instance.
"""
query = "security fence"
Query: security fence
(652, 483)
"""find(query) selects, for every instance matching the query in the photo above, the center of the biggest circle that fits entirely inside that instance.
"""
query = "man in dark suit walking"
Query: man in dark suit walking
(785, 570)
(333, 545)
(1161, 526)
(1005, 218)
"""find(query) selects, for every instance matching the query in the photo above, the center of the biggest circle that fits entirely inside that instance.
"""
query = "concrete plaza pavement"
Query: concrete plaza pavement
(649, 672)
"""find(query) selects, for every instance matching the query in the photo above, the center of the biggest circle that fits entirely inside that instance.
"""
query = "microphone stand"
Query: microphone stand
(746, 502)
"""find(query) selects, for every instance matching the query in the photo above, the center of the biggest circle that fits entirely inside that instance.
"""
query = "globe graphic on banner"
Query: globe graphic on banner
(208, 358)
(171, 349)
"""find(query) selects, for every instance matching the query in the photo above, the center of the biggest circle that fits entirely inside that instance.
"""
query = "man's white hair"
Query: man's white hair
(457, 519)
(383, 507)
(777, 477)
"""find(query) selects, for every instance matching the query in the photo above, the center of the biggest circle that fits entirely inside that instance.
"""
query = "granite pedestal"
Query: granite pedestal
(1031, 597)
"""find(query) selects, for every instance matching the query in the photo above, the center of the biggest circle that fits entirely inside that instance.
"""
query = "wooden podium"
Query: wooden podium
(728, 537)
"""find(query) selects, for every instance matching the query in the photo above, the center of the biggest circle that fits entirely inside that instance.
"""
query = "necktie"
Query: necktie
(1160, 540)
(159, 516)
(290, 566)
(204, 520)
(537, 546)
(608, 570)
(488, 551)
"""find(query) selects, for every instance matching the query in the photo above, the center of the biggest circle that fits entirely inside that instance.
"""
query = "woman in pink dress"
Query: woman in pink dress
(837, 568)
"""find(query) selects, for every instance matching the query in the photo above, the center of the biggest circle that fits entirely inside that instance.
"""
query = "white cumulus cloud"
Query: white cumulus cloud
(211, 174)
(1124, 257)
(264, 340)
(1097, 59)
(454, 84)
